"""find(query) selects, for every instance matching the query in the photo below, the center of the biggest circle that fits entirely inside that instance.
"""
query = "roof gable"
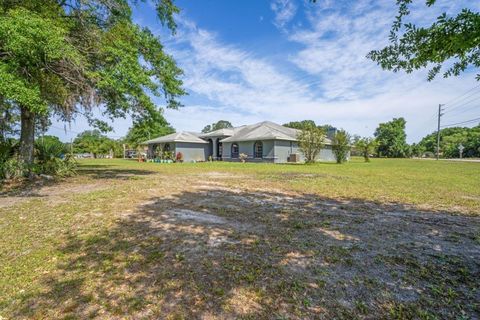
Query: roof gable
(182, 136)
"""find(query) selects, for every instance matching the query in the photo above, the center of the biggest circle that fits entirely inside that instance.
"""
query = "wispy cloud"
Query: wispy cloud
(345, 90)
(284, 11)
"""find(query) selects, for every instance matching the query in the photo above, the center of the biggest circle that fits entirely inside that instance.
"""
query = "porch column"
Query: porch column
(214, 144)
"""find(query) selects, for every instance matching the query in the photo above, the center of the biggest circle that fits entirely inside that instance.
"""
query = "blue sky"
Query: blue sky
(285, 60)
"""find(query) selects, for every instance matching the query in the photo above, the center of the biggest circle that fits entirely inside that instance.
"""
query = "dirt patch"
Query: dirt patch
(51, 194)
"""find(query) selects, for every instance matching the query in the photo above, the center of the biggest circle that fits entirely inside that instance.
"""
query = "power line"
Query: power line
(464, 103)
(463, 122)
(465, 110)
(454, 99)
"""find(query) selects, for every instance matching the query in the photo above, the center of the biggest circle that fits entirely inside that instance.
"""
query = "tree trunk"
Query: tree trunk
(27, 135)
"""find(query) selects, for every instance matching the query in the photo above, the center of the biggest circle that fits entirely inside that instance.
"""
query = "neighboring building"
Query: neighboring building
(262, 142)
(188, 143)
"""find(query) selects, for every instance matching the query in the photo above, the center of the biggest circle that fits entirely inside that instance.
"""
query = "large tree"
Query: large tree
(148, 128)
(451, 139)
(448, 39)
(94, 142)
(221, 124)
(392, 139)
(65, 57)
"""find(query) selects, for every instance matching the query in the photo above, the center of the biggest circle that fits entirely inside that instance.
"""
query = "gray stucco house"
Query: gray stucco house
(261, 142)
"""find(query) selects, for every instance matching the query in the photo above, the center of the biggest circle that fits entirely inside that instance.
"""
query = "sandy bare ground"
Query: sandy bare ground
(212, 249)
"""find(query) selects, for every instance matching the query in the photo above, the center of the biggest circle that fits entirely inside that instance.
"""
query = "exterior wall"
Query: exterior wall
(326, 154)
(247, 148)
(283, 149)
(192, 151)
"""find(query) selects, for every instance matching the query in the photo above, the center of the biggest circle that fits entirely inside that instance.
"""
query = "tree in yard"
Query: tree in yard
(366, 146)
(418, 150)
(94, 142)
(66, 57)
(221, 124)
(148, 128)
(311, 141)
(341, 145)
(451, 138)
(449, 38)
(392, 139)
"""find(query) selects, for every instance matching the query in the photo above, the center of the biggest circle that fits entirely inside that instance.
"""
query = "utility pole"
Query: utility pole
(440, 114)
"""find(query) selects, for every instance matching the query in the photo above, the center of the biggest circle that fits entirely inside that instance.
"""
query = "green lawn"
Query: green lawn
(437, 185)
(392, 239)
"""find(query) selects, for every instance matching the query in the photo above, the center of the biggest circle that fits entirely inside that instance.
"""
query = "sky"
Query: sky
(288, 60)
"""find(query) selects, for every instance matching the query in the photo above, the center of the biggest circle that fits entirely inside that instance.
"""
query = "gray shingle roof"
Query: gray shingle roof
(263, 131)
(182, 136)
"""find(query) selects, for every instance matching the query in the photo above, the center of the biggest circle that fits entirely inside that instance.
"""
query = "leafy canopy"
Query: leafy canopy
(450, 139)
(94, 142)
(65, 57)
(366, 146)
(449, 38)
(310, 142)
(148, 128)
(304, 124)
(392, 139)
(221, 124)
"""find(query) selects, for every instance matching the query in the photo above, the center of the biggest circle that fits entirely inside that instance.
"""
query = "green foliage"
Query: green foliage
(8, 148)
(341, 146)
(9, 120)
(57, 167)
(65, 57)
(418, 150)
(449, 38)
(12, 168)
(392, 139)
(304, 124)
(366, 146)
(451, 138)
(310, 141)
(48, 148)
(94, 142)
(300, 125)
(148, 128)
(221, 124)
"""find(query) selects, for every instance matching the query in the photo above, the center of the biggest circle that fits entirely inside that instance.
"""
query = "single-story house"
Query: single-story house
(261, 142)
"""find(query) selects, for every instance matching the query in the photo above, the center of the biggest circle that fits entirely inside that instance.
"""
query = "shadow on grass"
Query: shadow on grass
(220, 253)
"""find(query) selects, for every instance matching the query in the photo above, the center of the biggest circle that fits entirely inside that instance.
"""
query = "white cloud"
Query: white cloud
(347, 90)
(328, 79)
(284, 11)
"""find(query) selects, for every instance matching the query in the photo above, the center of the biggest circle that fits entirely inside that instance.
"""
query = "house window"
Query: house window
(235, 150)
(258, 149)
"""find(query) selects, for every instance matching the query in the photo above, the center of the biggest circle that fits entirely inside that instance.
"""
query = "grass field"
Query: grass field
(396, 239)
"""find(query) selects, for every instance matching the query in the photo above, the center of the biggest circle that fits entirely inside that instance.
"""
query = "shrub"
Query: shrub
(8, 149)
(243, 157)
(366, 146)
(179, 157)
(49, 148)
(341, 146)
(311, 141)
(12, 169)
